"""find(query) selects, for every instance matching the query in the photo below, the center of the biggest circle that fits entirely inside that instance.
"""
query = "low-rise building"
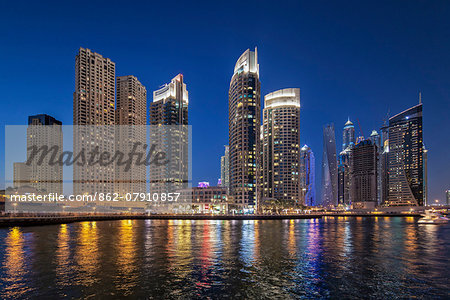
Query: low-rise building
(207, 199)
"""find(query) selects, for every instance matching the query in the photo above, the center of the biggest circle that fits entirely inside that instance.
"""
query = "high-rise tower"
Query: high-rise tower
(131, 101)
(329, 167)
(170, 103)
(384, 163)
(406, 158)
(425, 177)
(225, 168)
(244, 121)
(93, 117)
(344, 164)
(44, 131)
(169, 117)
(94, 96)
(131, 118)
(307, 176)
(376, 140)
(348, 138)
(280, 166)
(344, 176)
(364, 175)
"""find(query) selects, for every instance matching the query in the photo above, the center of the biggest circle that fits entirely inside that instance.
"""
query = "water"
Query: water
(332, 258)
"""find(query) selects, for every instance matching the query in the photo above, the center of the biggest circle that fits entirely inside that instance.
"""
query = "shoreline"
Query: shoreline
(52, 220)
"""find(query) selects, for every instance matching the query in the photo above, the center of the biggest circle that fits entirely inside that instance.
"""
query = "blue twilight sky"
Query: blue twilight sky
(352, 59)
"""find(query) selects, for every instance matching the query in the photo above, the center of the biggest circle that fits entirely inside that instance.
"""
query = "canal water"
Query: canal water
(335, 257)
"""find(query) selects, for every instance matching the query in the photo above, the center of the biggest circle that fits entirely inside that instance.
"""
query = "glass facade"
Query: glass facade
(244, 129)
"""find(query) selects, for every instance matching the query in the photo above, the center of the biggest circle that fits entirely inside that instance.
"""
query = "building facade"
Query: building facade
(344, 176)
(94, 119)
(425, 177)
(131, 118)
(348, 136)
(384, 163)
(329, 168)
(207, 199)
(280, 166)
(376, 140)
(170, 103)
(225, 168)
(307, 176)
(169, 133)
(244, 108)
(22, 175)
(44, 131)
(131, 108)
(364, 175)
(406, 158)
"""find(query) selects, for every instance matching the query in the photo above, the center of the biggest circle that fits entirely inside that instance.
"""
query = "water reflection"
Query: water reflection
(87, 255)
(334, 257)
(292, 239)
(63, 263)
(14, 264)
(247, 243)
(126, 257)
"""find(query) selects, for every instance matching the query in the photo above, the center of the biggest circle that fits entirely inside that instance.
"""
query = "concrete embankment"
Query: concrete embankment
(49, 220)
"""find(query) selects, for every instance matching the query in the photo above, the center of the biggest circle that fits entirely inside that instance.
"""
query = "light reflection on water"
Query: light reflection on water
(126, 251)
(87, 254)
(342, 257)
(14, 263)
(63, 260)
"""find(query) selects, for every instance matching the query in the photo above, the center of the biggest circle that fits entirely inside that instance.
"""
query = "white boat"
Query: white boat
(433, 217)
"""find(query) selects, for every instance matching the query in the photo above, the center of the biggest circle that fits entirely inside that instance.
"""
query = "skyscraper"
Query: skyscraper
(364, 175)
(348, 138)
(384, 163)
(280, 166)
(406, 158)
(344, 164)
(93, 104)
(307, 176)
(131, 101)
(44, 131)
(169, 115)
(225, 168)
(170, 103)
(244, 130)
(425, 176)
(376, 140)
(131, 118)
(344, 176)
(329, 167)
(94, 96)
